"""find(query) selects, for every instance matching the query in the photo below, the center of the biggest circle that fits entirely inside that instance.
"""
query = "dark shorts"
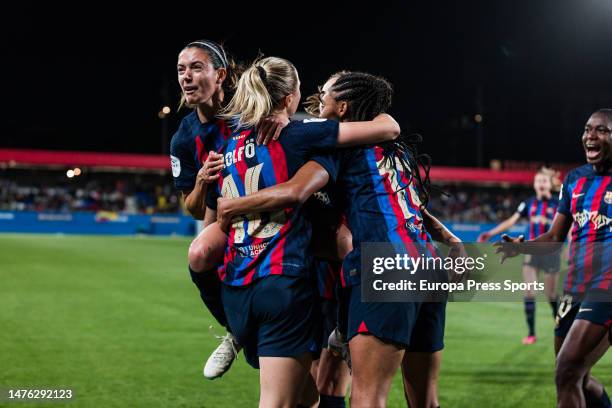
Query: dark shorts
(414, 326)
(546, 263)
(591, 308)
(276, 316)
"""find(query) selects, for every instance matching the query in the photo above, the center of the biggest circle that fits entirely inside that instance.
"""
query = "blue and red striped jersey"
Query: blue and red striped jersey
(274, 243)
(539, 213)
(190, 145)
(586, 197)
(382, 205)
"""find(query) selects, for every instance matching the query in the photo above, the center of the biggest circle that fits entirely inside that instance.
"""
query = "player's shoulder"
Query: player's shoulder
(583, 171)
(186, 130)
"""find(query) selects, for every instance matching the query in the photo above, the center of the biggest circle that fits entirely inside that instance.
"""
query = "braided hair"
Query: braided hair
(367, 96)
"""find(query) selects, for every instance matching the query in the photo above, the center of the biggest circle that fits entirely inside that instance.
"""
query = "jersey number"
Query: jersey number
(254, 226)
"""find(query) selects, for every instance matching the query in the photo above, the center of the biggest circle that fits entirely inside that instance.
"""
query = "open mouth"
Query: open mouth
(190, 90)
(593, 150)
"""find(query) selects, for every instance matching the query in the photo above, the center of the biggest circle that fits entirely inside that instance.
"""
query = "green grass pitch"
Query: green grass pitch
(118, 321)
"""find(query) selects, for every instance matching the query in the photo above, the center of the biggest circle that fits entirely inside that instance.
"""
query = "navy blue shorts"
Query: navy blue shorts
(276, 316)
(591, 308)
(546, 263)
(414, 326)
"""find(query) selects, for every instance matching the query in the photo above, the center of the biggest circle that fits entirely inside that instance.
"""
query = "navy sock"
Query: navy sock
(329, 401)
(209, 285)
(593, 402)
(530, 315)
(554, 305)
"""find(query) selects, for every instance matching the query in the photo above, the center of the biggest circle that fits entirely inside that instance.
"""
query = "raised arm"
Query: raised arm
(310, 178)
(501, 227)
(383, 128)
(546, 243)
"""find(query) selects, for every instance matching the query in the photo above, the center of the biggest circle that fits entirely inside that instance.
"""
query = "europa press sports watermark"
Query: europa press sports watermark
(474, 272)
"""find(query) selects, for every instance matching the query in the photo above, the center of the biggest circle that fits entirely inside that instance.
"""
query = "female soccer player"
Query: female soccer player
(539, 211)
(377, 212)
(585, 312)
(267, 295)
(207, 77)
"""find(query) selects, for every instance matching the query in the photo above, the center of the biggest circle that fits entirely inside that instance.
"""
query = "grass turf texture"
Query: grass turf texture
(117, 320)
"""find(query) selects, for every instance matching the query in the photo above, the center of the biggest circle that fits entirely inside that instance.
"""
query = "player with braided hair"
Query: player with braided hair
(381, 335)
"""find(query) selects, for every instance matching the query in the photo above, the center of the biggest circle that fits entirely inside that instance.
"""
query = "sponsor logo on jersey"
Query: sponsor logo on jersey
(314, 120)
(598, 220)
(176, 166)
(608, 197)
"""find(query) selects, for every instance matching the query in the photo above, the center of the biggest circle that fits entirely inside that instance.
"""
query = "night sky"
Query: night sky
(94, 78)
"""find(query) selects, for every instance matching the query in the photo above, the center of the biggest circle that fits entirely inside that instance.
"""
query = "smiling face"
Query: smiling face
(597, 139)
(197, 77)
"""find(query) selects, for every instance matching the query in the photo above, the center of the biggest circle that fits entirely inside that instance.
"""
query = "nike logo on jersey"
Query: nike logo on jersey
(577, 195)
(584, 310)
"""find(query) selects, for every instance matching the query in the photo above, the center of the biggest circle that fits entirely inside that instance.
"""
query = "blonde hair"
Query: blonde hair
(260, 90)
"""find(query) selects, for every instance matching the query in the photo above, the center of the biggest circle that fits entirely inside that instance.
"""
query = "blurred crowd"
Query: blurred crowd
(476, 203)
(137, 194)
(155, 193)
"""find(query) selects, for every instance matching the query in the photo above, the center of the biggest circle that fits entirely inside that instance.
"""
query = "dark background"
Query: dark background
(94, 77)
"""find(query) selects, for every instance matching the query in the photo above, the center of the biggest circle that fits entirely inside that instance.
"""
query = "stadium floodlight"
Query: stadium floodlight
(77, 171)
(70, 173)
(166, 110)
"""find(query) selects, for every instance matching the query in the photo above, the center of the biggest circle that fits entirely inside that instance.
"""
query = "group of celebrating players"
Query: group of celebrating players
(287, 204)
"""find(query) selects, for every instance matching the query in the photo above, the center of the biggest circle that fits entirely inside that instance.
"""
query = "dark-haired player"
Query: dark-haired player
(207, 76)
(585, 313)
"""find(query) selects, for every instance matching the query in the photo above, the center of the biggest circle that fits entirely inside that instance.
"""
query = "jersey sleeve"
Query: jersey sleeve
(319, 135)
(522, 209)
(212, 193)
(565, 197)
(184, 170)
(329, 163)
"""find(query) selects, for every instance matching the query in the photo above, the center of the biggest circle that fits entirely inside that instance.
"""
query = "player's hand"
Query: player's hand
(508, 246)
(269, 128)
(457, 250)
(224, 218)
(484, 237)
(209, 172)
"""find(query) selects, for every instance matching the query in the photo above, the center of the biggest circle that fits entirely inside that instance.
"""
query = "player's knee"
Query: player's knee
(199, 258)
(568, 372)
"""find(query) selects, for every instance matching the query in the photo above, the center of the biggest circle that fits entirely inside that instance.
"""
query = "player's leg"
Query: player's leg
(529, 275)
(378, 334)
(420, 372)
(421, 364)
(333, 376)
(282, 380)
(551, 267)
(287, 316)
(333, 379)
(206, 250)
(205, 253)
(584, 345)
(374, 364)
(551, 279)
